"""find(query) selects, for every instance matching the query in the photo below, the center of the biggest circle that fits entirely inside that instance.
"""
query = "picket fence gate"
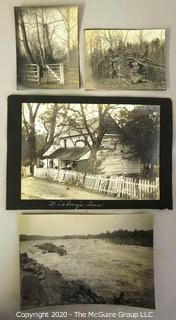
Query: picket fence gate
(118, 186)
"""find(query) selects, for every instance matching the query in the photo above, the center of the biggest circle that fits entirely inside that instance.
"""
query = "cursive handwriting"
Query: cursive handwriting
(71, 204)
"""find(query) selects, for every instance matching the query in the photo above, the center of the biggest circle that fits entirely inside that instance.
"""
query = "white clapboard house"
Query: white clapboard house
(72, 152)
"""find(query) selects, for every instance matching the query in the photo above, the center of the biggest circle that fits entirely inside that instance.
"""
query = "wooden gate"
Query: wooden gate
(55, 72)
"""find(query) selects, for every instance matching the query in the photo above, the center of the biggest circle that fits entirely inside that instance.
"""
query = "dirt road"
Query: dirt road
(33, 188)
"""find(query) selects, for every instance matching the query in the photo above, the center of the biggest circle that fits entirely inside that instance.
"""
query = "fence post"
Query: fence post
(120, 186)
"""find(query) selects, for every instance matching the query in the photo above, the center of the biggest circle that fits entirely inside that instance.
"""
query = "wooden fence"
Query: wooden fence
(118, 186)
(55, 72)
(30, 73)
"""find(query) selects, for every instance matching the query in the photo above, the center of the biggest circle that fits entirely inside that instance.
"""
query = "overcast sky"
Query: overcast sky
(59, 224)
(130, 35)
(91, 111)
(53, 18)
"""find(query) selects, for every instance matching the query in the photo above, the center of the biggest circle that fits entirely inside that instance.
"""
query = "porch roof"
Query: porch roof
(72, 154)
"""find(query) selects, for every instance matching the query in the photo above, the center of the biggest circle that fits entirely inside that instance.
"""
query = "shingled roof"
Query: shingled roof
(72, 154)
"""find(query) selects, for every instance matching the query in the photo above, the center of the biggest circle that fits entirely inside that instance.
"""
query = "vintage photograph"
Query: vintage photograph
(125, 59)
(86, 259)
(90, 151)
(47, 47)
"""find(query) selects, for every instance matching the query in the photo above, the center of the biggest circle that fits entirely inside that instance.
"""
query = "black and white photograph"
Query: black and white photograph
(86, 259)
(125, 59)
(90, 151)
(47, 47)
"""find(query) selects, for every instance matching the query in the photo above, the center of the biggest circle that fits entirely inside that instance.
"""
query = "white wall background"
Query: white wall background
(93, 13)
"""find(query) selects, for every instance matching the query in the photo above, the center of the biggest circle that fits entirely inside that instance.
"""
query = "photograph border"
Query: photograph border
(129, 29)
(13, 188)
(66, 214)
(18, 87)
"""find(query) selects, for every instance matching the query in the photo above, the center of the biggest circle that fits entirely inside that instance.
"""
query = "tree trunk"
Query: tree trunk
(32, 139)
(93, 159)
(17, 23)
(24, 36)
(49, 52)
(32, 164)
(68, 44)
(39, 41)
(43, 38)
(32, 144)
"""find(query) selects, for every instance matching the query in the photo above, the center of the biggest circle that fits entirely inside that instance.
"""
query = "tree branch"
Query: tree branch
(36, 110)
(86, 124)
(25, 122)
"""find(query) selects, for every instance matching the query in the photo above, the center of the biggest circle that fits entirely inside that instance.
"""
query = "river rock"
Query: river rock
(41, 286)
(52, 248)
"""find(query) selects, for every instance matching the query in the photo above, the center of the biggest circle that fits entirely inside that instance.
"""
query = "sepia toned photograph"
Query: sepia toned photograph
(103, 259)
(90, 151)
(70, 152)
(47, 47)
(125, 59)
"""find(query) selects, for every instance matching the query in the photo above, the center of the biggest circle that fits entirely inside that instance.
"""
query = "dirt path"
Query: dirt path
(33, 188)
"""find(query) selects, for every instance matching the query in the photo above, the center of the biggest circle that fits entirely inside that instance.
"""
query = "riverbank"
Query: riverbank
(42, 286)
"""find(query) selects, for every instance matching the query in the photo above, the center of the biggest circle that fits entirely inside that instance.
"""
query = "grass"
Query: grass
(122, 84)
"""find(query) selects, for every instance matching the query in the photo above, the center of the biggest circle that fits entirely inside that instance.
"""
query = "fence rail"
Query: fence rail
(56, 72)
(30, 73)
(118, 186)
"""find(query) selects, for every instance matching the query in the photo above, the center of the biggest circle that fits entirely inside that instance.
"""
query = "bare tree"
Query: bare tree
(30, 132)
(92, 134)
(52, 121)
(141, 39)
(69, 26)
(22, 34)
(41, 47)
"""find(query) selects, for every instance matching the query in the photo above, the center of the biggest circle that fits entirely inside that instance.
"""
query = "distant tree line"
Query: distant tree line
(136, 237)
(125, 237)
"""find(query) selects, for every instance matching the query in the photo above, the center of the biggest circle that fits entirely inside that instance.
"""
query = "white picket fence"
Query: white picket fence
(117, 186)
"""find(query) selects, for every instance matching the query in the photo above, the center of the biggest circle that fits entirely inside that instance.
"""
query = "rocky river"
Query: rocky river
(110, 270)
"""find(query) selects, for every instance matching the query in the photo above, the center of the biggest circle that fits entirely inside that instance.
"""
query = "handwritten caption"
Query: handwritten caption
(75, 204)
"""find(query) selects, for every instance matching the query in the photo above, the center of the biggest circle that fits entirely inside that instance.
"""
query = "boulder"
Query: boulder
(52, 248)
(41, 286)
(32, 290)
